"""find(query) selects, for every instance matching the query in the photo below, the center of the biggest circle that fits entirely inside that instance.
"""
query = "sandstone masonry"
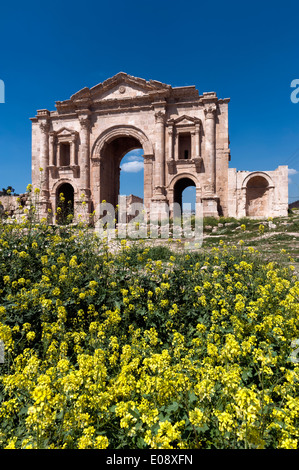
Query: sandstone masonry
(184, 137)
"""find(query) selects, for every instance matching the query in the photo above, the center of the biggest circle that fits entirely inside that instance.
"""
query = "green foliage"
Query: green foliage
(143, 347)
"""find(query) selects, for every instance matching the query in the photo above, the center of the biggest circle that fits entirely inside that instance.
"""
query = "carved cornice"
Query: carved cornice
(148, 158)
(174, 164)
(63, 135)
(185, 120)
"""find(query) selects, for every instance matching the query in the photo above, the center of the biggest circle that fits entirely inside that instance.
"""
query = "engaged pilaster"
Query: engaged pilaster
(83, 203)
(84, 151)
(44, 158)
(159, 190)
(44, 125)
(170, 161)
(210, 199)
(210, 143)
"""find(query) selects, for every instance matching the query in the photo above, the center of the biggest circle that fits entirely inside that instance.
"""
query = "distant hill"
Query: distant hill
(294, 205)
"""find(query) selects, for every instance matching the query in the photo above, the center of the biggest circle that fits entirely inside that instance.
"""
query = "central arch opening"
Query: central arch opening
(123, 170)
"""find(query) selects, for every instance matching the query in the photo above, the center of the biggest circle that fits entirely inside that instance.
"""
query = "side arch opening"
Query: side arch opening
(64, 204)
(257, 196)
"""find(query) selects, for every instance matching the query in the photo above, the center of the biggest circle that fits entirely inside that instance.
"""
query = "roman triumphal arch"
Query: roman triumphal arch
(185, 141)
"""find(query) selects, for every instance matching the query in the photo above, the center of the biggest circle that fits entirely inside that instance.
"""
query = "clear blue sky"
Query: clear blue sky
(247, 51)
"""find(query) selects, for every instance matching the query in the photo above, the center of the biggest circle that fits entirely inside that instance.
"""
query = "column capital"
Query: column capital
(159, 193)
(85, 123)
(160, 117)
(52, 136)
(74, 136)
(210, 110)
(83, 116)
(44, 126)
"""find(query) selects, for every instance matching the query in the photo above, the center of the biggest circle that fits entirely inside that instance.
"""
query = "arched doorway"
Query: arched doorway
(112, 155)
(257, 196)
(107, 153)
(64, 203)
(184, 191)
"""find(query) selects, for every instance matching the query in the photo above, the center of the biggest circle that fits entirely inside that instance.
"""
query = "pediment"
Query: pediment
(184, 121)
(64, 131)
(121, 90)
(121, 86)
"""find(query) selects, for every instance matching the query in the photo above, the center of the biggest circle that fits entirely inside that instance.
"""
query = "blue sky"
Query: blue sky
(247, 51)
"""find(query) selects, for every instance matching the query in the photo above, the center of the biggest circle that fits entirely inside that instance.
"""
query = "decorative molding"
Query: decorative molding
(210, 110)
(160, 117)
(262, 174)
(121, 131)
(44, 127)
(148, 159)
(184, 120)
(85, 123)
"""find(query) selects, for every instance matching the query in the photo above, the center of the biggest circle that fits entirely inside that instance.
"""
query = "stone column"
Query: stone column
(197, 150)
(44, 164)
(159, 209)
(84, 152)
(170, 143)
(170, 161)
(159, 190)
(210, 199)
(84, 162)
(193, 144)
(51, 148)
(197, 141)
(148, 179)
(210, 144)
(73, 150)
(44, 157)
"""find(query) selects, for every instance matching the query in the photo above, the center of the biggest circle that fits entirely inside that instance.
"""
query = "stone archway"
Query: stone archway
(121, 131)
(107, 153)
(178, 184)
(64, 203)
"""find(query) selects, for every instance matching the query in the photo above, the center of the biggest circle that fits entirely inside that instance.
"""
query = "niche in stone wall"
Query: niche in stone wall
(65, 153)
(185, 146)
(257, 197)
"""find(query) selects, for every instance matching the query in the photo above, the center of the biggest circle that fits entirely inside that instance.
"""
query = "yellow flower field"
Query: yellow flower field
(144, 348)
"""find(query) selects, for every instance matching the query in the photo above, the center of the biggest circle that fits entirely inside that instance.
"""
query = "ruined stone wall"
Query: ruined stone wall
(258, 194)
